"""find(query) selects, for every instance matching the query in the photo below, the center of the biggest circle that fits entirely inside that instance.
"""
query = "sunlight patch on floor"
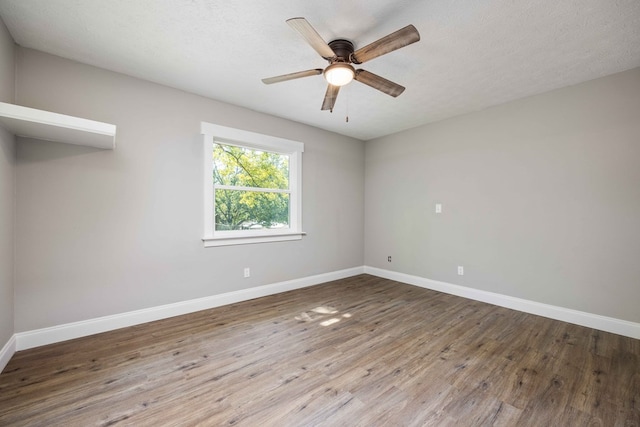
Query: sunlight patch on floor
(330, 321)
(324, 310)
(319, 313)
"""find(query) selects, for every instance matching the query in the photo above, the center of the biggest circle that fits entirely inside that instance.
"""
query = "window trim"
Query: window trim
(241, 138)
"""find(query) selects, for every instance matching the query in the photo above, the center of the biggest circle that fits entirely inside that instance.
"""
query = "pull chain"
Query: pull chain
(347, 117)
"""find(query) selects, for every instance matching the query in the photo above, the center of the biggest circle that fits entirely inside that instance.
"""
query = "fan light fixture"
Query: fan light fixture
(339, 74)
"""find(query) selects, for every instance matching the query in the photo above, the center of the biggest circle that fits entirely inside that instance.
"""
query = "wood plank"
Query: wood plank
(360, 351)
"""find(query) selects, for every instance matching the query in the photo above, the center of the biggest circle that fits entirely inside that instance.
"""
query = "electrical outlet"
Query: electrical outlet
(438, 208)
(247, 272)
(460, 270)
(389, 258)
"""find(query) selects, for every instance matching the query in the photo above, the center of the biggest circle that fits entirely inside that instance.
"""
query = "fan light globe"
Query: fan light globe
(339, 74)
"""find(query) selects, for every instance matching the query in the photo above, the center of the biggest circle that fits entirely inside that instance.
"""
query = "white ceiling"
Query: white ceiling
(472, 54)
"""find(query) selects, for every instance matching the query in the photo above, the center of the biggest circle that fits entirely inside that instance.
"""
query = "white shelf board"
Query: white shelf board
(39, 124)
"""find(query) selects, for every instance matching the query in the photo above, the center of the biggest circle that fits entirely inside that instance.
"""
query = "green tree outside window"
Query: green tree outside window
(251, 188)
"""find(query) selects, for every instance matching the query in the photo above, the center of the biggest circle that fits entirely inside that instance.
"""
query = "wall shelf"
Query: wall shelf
(39, 124)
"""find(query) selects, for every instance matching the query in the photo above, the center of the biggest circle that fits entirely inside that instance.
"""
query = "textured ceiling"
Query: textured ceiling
(473, 54)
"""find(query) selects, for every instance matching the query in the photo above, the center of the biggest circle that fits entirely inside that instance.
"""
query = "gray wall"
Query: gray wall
(105, 232)
(541, 198)
(7, 170)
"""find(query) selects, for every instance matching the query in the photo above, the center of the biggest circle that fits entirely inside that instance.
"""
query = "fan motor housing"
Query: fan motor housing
(343, 50)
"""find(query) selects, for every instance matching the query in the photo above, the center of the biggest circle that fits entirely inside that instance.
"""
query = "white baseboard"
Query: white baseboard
(7, 352)
(35, 338)
(596, 321)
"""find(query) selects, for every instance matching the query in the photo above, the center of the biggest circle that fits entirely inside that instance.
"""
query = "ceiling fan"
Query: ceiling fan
(340, 54)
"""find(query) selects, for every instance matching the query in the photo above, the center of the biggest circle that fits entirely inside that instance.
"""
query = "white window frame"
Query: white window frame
(230, 136)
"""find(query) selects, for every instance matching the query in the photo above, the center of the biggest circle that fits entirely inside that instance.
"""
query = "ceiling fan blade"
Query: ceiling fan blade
(311, 36)
(380, 83)
(330, 97)
(291, 76)
(393, 41)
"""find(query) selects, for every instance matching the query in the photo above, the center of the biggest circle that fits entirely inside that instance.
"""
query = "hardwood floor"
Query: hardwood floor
(362, 351)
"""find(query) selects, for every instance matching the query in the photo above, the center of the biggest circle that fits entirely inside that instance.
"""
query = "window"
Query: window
(252, 186)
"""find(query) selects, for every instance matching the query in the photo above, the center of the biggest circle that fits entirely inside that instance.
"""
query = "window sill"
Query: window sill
(247, 240)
